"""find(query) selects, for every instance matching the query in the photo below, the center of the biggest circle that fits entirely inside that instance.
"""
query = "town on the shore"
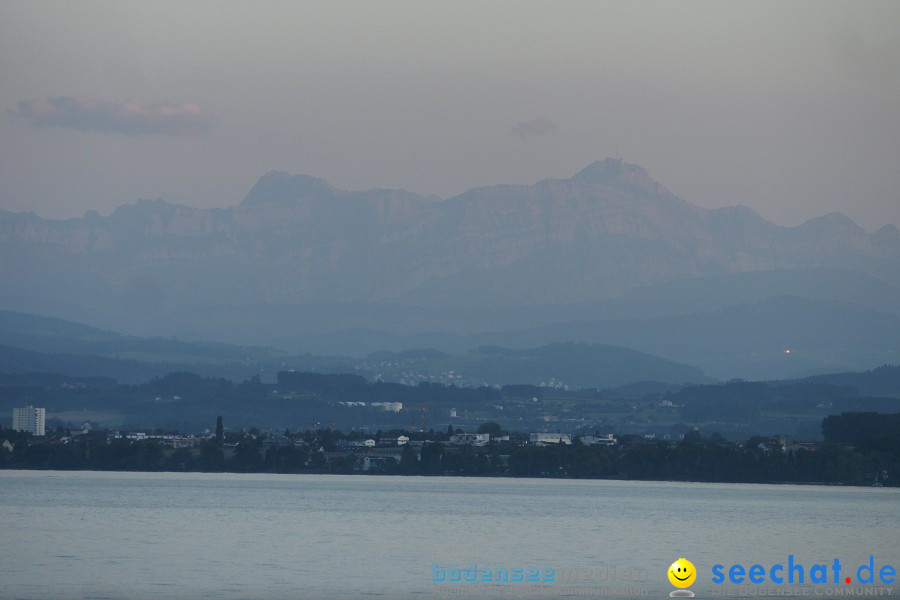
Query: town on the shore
(859, 449)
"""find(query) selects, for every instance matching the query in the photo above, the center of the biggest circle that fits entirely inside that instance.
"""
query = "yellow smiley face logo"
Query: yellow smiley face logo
(682, 573)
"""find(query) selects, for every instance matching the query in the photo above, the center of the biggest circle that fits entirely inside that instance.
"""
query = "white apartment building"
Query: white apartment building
(29, 419)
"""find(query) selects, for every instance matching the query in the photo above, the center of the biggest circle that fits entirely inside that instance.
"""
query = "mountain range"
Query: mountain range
(299, 263)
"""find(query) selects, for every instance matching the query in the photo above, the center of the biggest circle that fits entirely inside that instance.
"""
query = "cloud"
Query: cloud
(128, 118)
(534, 127)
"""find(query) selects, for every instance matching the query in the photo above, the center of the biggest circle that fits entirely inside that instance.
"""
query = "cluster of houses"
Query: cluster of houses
(389, 450)
(374, 453)
(483, 439)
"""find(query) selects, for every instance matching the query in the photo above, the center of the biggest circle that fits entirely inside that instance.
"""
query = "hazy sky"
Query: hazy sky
(789, 107)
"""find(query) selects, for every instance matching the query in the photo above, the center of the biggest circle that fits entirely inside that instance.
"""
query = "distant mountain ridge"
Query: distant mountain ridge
(29, 343)
(157, 268)
(52, 335)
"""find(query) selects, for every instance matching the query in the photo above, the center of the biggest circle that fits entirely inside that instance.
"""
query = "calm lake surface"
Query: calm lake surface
(172, 535)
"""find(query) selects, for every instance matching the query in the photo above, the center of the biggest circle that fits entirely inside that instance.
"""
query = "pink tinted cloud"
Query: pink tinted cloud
(130, 117)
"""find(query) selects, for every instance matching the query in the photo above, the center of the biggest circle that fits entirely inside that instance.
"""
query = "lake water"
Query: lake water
(168, 535)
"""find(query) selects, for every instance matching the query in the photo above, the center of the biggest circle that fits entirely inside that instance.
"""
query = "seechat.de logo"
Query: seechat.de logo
(794, 572)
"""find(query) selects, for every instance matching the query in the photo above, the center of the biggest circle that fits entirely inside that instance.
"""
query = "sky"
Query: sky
(790, 108)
